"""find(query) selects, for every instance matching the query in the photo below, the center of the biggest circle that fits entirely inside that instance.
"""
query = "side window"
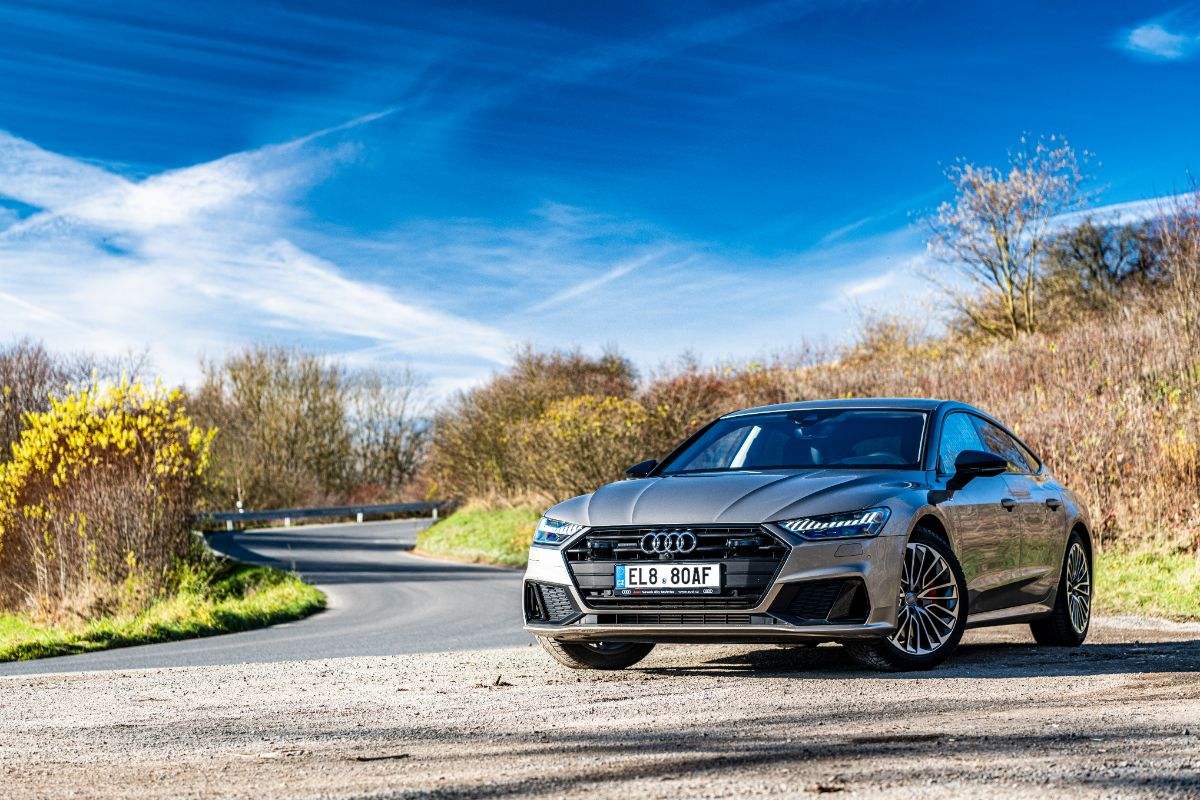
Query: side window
(1030, 458)
(998, 442)
(958, 434)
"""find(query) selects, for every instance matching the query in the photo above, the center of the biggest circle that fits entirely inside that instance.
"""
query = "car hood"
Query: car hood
(733, 497)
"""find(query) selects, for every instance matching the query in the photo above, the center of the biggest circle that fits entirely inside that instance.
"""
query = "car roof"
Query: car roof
(908, 403)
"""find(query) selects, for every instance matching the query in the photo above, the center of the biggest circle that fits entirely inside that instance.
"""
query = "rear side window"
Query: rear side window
(958, 434)
(998, 442)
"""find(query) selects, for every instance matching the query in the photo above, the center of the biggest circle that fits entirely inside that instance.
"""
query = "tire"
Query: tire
(932, 615)
(1068, 623)
(599, 655)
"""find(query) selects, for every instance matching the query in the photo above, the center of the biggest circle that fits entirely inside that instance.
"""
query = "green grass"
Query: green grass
(209, 599)
(1149, 584)
(482, 536)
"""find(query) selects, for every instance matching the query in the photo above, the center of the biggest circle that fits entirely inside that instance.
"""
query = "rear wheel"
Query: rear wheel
(932, 610)
(596, 655)
(1068, 623)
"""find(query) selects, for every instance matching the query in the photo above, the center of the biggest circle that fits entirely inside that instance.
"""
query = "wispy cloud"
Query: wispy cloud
(1171, 37)
(591, 284)
(199, 260)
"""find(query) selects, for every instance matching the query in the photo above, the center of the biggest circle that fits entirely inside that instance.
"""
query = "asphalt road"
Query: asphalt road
(383, 600)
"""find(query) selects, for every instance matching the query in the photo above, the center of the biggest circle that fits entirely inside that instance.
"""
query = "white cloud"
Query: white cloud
(1153, 40)
(198, 260)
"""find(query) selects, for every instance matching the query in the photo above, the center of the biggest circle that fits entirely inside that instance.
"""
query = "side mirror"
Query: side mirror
(642, 469)
(972, 464)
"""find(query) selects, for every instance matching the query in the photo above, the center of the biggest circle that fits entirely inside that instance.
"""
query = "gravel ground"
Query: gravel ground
(1118, 718)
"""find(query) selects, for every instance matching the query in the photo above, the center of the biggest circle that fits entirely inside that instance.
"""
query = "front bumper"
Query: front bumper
(871, 565)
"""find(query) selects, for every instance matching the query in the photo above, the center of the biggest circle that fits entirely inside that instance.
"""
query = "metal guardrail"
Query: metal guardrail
(233, 518)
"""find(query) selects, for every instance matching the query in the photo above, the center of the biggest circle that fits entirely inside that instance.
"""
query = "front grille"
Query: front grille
(547, 602)
(840, 600)
(751, 556)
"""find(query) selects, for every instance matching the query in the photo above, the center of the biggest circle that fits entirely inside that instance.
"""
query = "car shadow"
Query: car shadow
(974, 660)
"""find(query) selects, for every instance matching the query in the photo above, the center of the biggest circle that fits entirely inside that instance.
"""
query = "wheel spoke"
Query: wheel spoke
(1079, 588)
(928, 604)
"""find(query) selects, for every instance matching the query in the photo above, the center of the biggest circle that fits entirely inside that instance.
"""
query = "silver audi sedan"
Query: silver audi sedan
(886, 525)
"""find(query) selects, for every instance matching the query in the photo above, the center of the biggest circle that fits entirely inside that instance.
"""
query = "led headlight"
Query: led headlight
(839, 526)
(553, 532)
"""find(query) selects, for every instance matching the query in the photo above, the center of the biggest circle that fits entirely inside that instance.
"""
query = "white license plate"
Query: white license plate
(668, 578)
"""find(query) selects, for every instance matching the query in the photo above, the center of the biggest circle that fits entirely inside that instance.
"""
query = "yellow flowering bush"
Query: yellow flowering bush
(96, 500)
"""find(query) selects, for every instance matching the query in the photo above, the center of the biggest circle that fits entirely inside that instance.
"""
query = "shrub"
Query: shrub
(579, 443)
(96, 502)
(476, 436)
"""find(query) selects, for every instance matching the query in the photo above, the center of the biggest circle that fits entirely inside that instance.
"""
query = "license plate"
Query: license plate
(668, 578)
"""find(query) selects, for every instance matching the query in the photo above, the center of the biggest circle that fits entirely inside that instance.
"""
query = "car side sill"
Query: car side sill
(1009, 616)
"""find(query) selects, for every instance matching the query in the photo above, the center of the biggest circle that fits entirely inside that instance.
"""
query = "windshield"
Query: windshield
(817, 438)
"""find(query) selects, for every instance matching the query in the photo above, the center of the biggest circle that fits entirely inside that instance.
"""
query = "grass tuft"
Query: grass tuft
(1149, 584)
(482, 536)
(208, 599)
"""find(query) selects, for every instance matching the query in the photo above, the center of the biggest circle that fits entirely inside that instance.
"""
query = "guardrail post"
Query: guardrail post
(358, 517)
(435, 513)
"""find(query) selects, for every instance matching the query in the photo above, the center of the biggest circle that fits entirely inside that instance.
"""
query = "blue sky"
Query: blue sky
(436, 184)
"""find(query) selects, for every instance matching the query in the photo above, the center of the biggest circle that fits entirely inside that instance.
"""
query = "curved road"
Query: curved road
(382, 600)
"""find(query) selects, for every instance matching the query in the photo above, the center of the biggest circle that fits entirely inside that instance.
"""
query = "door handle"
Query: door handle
(1053, 503)
(1009, 503)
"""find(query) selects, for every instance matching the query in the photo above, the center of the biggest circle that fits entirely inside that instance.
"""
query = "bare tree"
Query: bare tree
(29, 374)
(283, 437)
(997, 227)
(389, 426)
(1094, 266)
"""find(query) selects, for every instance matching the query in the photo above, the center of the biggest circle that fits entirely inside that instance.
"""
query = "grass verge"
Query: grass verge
(1137, 583)
(209, 599)
(482, 536)
(1149, 584)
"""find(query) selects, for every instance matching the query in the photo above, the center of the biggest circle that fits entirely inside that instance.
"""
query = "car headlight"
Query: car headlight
(839, 526)
(553, 532)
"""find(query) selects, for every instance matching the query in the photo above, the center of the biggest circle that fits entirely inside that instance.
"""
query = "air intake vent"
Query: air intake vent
(841, 601)
(548, 602)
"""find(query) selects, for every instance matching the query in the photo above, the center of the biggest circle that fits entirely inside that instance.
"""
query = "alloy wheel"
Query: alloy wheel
(1079, 588)
(929, 601)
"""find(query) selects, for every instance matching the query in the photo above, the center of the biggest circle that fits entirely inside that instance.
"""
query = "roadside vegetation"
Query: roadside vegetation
(481, 535)
(1150, 583)
(203, 599)
(96, 502)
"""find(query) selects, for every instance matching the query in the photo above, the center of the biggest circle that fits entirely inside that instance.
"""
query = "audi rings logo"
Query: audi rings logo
(673, 542)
